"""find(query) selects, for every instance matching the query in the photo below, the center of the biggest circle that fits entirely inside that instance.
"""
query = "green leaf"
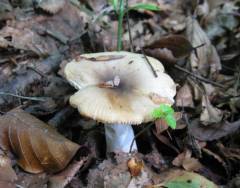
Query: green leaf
(166, 109)
(157, 113)
(189, 180)
(145, 6)
(171, 121)
(167, 113)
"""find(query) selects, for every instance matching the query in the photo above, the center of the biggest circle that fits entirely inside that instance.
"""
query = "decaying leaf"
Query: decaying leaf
(170, 48)
(177, 44)
(206, 59)
(210, 114)
(43, 34)
(37, 146)
(188, 162)
(184, 97)
(63, 178)
(135, 166)
(161, 126)
(213, 132)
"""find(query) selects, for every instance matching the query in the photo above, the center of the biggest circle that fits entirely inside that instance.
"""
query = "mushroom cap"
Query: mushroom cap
(118, 87)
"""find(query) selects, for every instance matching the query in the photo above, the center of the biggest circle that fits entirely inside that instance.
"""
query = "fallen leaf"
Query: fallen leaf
(184, 97)
(175, 178)
(188, 162)
(135, 166)
(209, 114)
(38, 147)
(171, 48)
(161, 126)
(205, 59)
(213, 132)
(7, 174)
(189, 180)
(43, 34)
(61, 179)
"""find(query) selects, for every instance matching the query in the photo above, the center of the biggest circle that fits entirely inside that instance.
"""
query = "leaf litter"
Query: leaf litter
(197, 42)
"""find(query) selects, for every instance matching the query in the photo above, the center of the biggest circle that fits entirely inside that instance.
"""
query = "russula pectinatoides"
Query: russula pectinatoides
(119, 89)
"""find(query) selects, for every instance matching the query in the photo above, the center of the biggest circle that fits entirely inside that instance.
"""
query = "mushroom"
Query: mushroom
(119, 89)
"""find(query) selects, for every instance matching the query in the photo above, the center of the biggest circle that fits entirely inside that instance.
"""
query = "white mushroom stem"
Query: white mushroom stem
(119, 138)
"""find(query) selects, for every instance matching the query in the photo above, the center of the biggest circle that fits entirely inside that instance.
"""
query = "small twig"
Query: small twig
(195, 49)
(24, 97)
(129, 28)
(198, 76)
(37, 71)
(150, 65)
(139, 133)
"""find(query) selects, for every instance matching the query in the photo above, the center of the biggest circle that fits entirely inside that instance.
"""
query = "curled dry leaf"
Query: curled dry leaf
(171, 48)
(184, 97)
(213, 132)
(38, 147)
(135, 166)
(210, 114)
(206, 59)
(188, 162)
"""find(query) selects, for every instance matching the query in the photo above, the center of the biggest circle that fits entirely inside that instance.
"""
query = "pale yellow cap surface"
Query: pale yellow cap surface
(118, 87)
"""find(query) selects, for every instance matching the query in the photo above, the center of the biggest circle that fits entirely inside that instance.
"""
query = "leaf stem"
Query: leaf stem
(120, 25)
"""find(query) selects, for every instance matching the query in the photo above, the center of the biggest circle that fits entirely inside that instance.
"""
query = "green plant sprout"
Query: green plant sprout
(165, 112)
(119, 8)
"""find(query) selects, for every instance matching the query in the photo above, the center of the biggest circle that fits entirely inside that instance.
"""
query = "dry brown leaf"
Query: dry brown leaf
(205, 60)
(184, 97)
(210, 114)
(135, 166)
(188, 162)
(213, 132)
(171, 48)
(38, 147)
(7, 174)
(43, 34)
(26, 39)
(63, 178)
(164, 55)
(161, 126)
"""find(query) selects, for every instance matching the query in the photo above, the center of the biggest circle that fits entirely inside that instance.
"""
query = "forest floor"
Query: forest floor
(44, 142)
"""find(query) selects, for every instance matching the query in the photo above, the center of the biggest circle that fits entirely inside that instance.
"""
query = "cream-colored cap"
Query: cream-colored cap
(118, 87)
